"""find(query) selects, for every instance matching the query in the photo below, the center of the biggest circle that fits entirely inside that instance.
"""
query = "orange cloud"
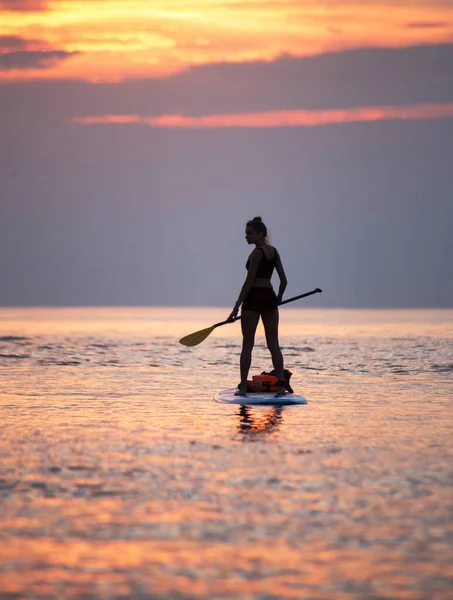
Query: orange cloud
(111, 40)
(296, 118)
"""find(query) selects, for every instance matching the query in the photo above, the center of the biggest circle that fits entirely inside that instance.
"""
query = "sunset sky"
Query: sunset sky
(140, 136)
(113, 40)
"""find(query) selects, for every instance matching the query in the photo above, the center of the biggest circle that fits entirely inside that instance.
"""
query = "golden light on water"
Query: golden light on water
(121, 475)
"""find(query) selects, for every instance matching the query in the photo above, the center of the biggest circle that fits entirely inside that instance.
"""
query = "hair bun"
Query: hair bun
(257, 224)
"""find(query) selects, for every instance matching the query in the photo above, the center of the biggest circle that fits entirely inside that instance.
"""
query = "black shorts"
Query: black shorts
(260, 299)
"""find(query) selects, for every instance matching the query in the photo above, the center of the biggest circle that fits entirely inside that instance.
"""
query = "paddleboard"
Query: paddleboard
(258, 398)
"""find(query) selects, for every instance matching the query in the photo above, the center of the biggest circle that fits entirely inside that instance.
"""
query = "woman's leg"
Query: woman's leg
(270, 322)
(249, 323)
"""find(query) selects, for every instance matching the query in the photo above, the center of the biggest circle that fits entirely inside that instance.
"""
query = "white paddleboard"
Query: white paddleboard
(260, 398)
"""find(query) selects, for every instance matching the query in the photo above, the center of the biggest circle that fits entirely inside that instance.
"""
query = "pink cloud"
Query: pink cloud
(294, 118)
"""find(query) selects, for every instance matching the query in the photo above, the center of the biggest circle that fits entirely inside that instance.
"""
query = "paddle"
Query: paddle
(193, 339)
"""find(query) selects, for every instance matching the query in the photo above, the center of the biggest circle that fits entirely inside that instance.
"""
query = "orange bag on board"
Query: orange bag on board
(267, 382)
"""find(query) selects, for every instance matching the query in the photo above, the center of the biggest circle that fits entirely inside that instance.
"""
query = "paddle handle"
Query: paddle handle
(315, 291)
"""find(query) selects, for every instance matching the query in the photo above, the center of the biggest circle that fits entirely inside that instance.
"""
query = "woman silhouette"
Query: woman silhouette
(258, 299)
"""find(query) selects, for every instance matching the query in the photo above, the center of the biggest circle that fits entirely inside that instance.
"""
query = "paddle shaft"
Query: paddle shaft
(315, 291)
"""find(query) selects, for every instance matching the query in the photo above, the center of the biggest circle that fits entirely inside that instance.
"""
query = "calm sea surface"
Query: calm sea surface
(120, 477)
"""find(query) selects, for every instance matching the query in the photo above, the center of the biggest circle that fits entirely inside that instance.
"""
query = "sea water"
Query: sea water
(120, 477)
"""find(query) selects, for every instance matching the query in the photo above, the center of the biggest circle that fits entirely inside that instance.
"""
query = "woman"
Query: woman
(258, 299)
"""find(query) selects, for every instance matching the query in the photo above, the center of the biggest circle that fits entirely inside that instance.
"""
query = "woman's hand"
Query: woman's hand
(234, 314)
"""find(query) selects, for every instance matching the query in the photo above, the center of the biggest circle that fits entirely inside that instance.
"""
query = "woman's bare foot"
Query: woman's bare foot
(242, 390)
(281, 389)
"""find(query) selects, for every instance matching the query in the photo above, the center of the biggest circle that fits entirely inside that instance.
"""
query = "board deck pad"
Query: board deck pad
(258, 398)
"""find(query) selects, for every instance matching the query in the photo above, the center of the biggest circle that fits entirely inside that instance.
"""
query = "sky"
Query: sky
(137, 139)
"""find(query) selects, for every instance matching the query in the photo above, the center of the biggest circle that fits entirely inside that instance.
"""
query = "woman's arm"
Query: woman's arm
(282, 277)
(255, 259)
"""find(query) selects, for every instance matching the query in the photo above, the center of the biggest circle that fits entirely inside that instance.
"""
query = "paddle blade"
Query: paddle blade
(193, 339)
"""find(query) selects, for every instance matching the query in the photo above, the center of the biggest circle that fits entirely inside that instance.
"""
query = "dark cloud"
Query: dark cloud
(348, 79)
(428, 25)
(16, 42)
(32, 59)
(23, 5)
(12, 41)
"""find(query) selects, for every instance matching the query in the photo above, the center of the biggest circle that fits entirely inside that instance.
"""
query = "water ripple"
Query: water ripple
(122, 478)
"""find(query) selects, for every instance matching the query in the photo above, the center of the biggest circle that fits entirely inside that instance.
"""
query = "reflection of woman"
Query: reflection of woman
(251, 424)
(258, 299)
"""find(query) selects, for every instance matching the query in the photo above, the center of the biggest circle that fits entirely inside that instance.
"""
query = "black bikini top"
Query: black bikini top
(265, 267)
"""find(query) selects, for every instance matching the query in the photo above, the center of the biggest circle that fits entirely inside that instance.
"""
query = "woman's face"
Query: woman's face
(252, 236)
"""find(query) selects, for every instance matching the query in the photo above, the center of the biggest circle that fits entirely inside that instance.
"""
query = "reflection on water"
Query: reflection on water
(253, 422)
(121, 478)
